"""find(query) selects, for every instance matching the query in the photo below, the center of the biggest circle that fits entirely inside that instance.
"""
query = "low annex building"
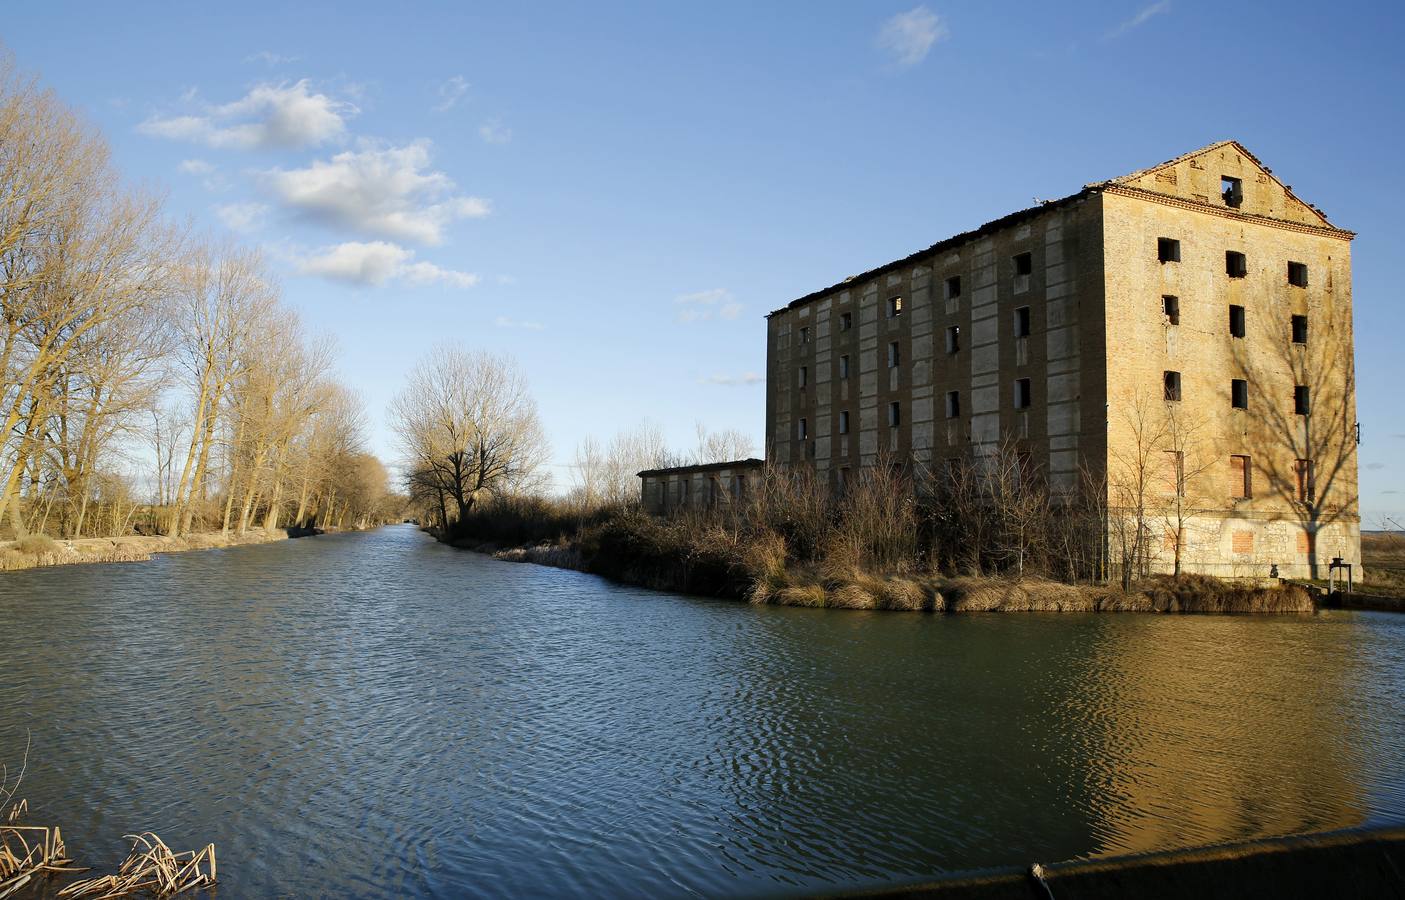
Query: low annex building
(1191, 322)
(702, 486)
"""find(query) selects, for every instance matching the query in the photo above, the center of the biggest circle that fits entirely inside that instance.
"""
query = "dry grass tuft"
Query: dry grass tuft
(151, 867)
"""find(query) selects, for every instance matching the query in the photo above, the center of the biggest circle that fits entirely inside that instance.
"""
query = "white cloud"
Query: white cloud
(1145, 13)
(269, 58)
(195, 167)
(703, 306)
(242, 217)
(505, 322)
(376, 263)
(495, 132)
(450, 93)
(910, 35)
(386, 192)
(270, 115)
(746, 378)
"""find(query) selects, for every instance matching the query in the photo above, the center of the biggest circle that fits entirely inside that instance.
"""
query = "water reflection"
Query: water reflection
(377, 714)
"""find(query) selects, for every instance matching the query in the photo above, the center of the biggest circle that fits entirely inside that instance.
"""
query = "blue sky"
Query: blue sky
(617, 195)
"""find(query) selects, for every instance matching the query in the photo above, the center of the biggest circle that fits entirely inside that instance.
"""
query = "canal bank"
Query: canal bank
(40, 552)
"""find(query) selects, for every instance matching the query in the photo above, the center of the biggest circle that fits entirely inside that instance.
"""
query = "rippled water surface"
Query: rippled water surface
(376, 714)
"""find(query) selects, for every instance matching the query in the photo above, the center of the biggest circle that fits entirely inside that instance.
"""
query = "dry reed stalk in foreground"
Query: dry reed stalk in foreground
(152, 867)
(29, 850)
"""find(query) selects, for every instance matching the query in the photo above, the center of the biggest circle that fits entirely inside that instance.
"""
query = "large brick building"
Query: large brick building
(1191, 321)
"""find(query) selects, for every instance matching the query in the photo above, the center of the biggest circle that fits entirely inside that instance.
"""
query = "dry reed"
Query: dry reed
(151, 867)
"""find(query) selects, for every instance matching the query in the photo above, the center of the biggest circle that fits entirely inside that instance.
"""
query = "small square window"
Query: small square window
(1297, 274)
(844, 422)
(1171, 382)
(844, 366)
(953, 404)
(1022, 322)
(1168, 250)
(1236, 321)
(846, 321)
(1239, 393)
(953, 339)
(1235, 264)
(1232, 189)
(894, 415)
(1240, 478)
(895, 307)
(1022, 393)
(953, 287)
(894, 355)
(1300, 404)
(1300, 329)
(1024, 264)
(1171, 309)
(804, 376)
(803, 429)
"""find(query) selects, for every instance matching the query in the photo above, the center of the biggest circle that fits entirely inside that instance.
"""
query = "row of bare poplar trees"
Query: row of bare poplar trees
(153, 380)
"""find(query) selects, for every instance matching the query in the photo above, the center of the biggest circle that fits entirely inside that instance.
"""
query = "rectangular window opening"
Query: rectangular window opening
(1024, 264)
(953, 339)
(894, 355)
(846, 321)
(1297, 274)
(1023, 394)
(1240, 478)
(953, 287)
(894, 415)
(1239, 393)
(844, 366)
(1236, 265)
(803, 429)
(1022, 322)
(1300, 329)
(804, 377)
(805, 334)
(844, 422)
(1168, 250)
(1171, 382)
(895, 307)
(1171, 309)
(953, 404)
(1300, 404)
(1232, 189)
(1236, 321)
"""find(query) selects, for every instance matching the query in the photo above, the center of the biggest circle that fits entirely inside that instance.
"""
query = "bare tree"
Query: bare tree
(1132, 485)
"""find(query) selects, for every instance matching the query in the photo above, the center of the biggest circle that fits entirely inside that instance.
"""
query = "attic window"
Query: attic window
(1024, 264)
(1235, 264)
(953, 287)
(846, 321)
(1232, 189)
(1297, 274)
(1171, 309)
(895, 307)
(1168, 250)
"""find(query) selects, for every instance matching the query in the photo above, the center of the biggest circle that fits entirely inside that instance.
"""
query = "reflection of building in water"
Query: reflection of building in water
(1198, 731)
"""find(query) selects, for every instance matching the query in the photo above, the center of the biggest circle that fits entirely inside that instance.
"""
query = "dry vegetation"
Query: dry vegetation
(1383, 558)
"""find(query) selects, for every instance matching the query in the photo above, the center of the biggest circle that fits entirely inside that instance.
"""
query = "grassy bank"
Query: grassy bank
(727, 555)
(35, 551)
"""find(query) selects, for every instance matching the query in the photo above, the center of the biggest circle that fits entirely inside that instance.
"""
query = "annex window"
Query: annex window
(1300, 404)
(894, 355)
(1168, 250)
(1232, 189)
(1171, 309)
(953, 339)
(846, 321)
(1173, 472)
(1239, 393)
(1235, 264)
(805, 334)
(804, 376)
(953, 287)
(1302, 476)
(1300, 329)
(1024, 264)
(802, 429)
(1022, 322)
(844, 366)
(953, 404)
(1297, 274)
(895, 307)
(1241, 485)
(1236, 321)
(1171, 385)
(1022, 393)
(895, 416)
(844, 422)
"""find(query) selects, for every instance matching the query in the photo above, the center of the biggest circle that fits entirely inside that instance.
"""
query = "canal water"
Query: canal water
(379, 715)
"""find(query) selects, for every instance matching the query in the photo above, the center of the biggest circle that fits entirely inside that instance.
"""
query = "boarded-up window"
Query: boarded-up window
(1243, 542)
(1240, 486)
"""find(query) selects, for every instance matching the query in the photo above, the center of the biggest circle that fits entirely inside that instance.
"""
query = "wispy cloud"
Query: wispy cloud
(1143, 15)
(195, 167)
(450, 93)
(505, 322)
(1375, 466)
(703, 306)
(909, 36)
(385, 191)
(495, 132)
(242, 217)
(376, 263)
(270, 59)
(207, 172)
(270, 115)
(742, 380)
